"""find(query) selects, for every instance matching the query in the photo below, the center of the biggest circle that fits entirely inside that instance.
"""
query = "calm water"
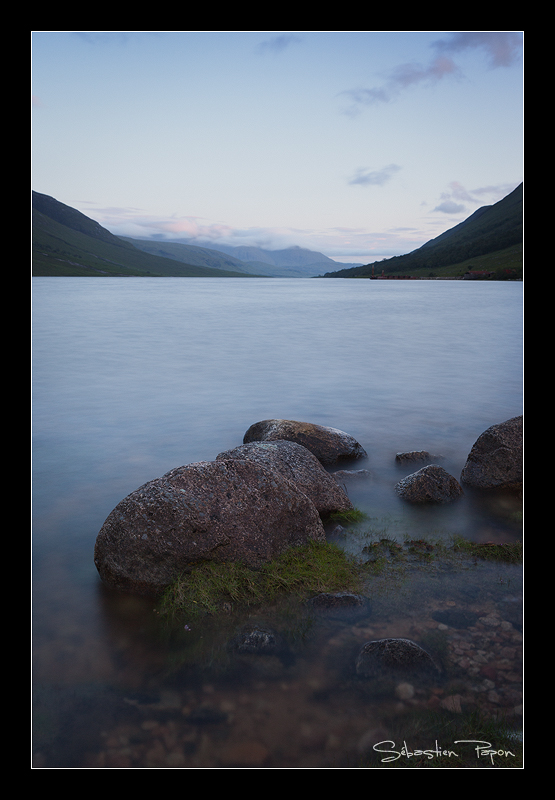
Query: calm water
(132, 377)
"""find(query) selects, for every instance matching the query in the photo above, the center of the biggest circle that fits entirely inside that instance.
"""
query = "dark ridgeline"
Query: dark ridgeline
(491, 230)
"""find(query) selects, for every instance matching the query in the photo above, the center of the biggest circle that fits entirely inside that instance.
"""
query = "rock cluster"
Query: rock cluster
(250, 505)
(494, 462)
(271, 493)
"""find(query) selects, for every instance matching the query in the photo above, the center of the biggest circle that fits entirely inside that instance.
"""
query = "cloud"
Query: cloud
(102, 37)
(376, 178)
(400, 78)
(278, 43)
(456, 198)
(450, 207)
(503, 49)
(354, 244)
(133, 222)
(495, 192)
(129, 221)
(408, 74)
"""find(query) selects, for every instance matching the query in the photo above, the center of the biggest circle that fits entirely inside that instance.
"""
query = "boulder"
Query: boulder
(329, 445)
(301, 467)
(416, 455)
(225, 510)
(495, 460)
(431, 484)
(387, 656)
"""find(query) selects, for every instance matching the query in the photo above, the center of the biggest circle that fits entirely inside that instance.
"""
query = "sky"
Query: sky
(360, 145)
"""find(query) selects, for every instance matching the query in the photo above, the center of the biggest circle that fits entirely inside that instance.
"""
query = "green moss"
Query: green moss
(212, 588)
(300, 572)
(350, 516)
(510, 553)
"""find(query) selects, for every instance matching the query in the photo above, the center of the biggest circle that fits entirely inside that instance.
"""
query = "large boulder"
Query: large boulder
(495, 460)
(431, 484)
(301, 467)
(222, 511)
(329, 445)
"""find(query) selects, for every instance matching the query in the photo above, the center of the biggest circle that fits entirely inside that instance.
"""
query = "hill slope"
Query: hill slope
(68, 243)
(490, 230)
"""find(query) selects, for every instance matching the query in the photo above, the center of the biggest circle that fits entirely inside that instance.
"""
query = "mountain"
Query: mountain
(491, 238)
(290, 262)
(190, 254)
(66, 242)
(216, 258)
(307, 262)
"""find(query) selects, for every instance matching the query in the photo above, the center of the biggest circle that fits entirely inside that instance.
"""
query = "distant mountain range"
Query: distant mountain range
(292, 262)
(66, 242)
(489, 241)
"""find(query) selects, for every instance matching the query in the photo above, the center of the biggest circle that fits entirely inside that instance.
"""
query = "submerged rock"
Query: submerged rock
(386, 656)
(257, 639)
(431, 484)
(495, 460)
(351, 474)
(301, 467)
(342, 604)
(329, 445)
(219, 511)
(455, 618)
(267, 645)
(416, 455)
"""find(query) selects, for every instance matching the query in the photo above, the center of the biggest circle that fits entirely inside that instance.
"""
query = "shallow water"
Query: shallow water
(133, 377)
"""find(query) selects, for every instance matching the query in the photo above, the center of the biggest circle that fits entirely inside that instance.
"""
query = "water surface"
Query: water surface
(133, 377)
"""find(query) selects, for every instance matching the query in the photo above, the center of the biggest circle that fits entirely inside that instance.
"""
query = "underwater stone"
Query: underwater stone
(393, 655)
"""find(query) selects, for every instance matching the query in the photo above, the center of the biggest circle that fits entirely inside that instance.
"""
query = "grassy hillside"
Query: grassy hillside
(68, 243)
(490, 239)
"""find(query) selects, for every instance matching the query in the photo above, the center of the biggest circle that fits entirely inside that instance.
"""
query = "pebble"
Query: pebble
(404, 691)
